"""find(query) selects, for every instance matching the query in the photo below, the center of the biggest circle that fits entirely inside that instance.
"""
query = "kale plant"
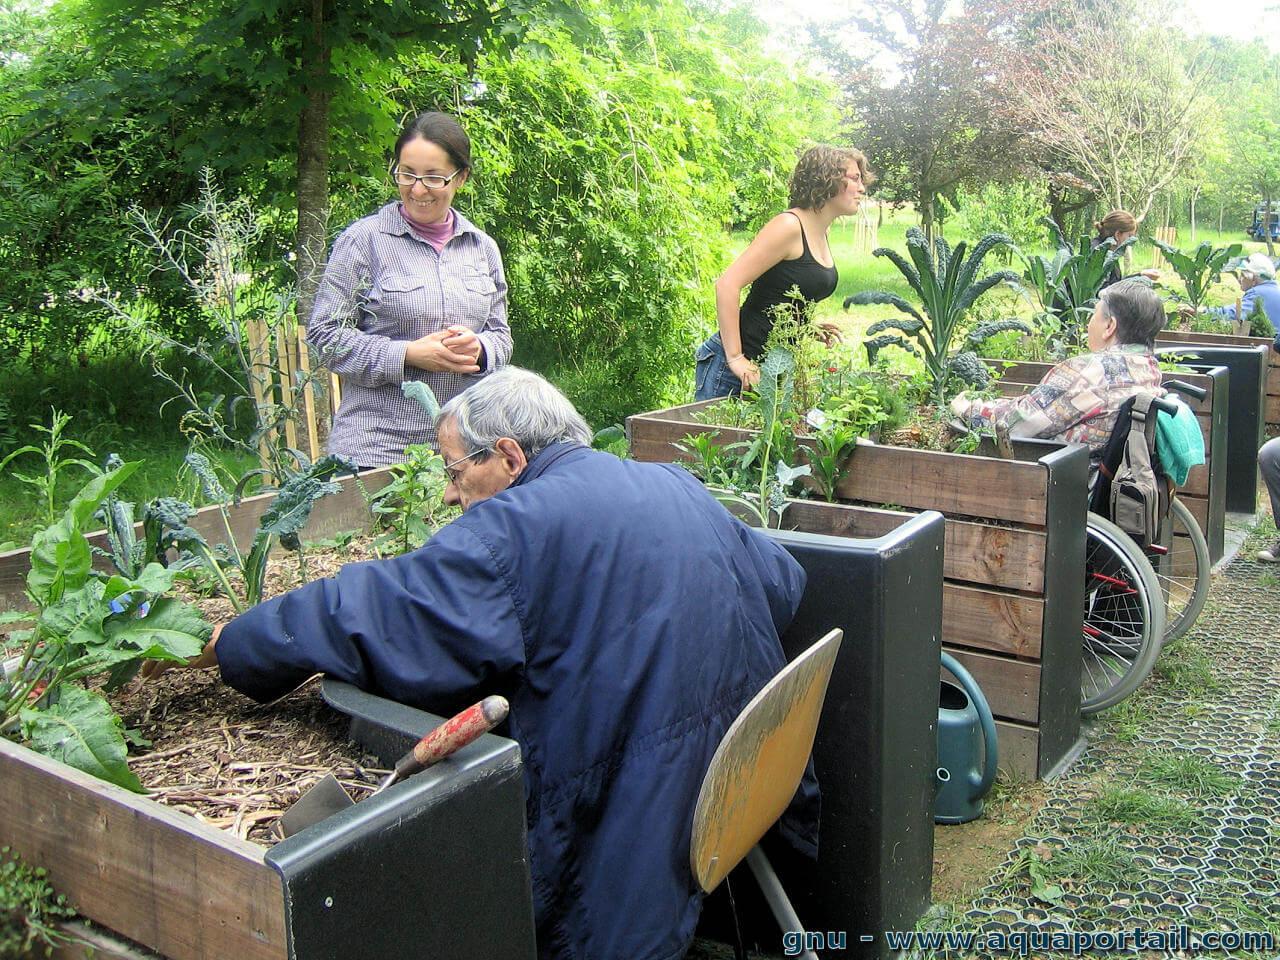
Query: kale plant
(947, 283)
(1199, 270)
(1066, 285)
(85, 626)
(282, 522)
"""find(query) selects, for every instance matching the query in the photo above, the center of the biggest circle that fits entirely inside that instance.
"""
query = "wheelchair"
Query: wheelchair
(1137, 600)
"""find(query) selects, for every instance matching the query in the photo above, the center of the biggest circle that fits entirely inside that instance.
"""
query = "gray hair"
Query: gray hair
(514, 403)
(1137, 310)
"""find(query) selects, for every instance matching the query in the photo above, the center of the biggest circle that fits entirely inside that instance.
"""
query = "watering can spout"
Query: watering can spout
(965, 729)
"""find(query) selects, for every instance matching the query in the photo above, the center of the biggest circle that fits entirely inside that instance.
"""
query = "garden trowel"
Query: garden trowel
(328, 796)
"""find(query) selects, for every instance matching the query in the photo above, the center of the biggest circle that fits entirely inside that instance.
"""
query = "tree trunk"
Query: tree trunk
(1193, 217)
(926, 214)
(1268, 217)
(313, 162)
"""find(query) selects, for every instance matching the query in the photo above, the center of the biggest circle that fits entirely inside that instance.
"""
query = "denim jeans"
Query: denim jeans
(712, 376)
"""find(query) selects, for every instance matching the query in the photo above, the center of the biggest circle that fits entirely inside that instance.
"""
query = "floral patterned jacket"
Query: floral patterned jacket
(1077, 401)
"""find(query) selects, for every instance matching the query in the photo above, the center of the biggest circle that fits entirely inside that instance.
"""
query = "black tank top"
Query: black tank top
(815, 281)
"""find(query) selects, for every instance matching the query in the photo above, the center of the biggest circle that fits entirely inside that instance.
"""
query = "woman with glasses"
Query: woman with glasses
(791, 251)
(413, 292)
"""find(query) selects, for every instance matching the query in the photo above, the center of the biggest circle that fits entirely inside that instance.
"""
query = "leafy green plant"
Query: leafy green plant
(59, 456)
(860, 405)
(947, 283)
(709, 461)
(833, 444)
(1199, 270)
(1065, 287)
(410, 509)
(282, 523)
(612, 439)
(212, 257)
(87, 625)
(1259, 323)
(29, 909)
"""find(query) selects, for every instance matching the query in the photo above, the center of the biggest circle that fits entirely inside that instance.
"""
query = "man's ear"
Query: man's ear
(512, 456)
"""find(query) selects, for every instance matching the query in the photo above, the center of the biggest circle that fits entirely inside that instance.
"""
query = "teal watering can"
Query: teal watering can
(965, 731)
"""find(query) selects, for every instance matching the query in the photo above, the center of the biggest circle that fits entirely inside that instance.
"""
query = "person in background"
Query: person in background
(1257, 278)
(791, 250)
(623, 612)
(413, 292)
(1256, 275)
(1118, 226)
(1079, 400)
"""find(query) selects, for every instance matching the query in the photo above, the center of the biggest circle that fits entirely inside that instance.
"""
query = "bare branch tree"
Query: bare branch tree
(1113, 100)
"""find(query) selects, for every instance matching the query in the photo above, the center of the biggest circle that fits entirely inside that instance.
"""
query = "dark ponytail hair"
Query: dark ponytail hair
(440, 129)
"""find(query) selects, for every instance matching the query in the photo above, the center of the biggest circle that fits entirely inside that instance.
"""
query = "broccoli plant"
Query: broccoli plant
(947, 283)
(87, 625)
(1199, 270)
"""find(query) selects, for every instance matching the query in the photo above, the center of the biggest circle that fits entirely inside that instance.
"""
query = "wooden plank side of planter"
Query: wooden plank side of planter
(342, 511)
(156, 876)
(990, 620)
(915, 479)
(1012, 687)
(1018, 749)
(1271, 386)
(1007, 557)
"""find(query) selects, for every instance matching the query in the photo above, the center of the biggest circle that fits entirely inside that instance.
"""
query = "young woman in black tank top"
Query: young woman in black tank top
(791, 250)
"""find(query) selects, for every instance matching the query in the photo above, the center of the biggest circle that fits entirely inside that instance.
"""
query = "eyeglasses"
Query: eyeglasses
(453, 474)
(432, 181)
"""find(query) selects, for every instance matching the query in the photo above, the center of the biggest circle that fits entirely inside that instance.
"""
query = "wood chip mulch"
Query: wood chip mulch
(230, 762)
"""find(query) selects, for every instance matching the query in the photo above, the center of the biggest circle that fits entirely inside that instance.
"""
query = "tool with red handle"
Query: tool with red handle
(328, 796)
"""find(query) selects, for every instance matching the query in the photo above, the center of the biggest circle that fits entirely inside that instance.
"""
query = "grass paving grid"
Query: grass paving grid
(1170, 817)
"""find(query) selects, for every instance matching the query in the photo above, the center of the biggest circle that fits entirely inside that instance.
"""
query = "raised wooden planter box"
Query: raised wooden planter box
(1013, 596)
(354, 885)
(340, 512)
(1205, 491)
(1247, 363)
(1271, 388)
(423, 869)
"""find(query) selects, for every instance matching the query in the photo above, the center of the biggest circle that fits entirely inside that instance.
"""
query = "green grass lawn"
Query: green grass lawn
(116, 406)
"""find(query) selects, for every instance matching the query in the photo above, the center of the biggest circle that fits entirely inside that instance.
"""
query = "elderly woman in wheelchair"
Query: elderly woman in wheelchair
(1139, 593)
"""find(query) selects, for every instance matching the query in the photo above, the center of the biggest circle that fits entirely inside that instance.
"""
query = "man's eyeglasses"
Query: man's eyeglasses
(453, 474)
(432, 181)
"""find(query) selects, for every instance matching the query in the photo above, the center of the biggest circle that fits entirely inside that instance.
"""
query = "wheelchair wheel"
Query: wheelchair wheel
(1183, 571)
(1123, 617)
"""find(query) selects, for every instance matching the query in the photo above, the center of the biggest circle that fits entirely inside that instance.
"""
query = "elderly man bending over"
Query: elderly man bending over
(623, 612)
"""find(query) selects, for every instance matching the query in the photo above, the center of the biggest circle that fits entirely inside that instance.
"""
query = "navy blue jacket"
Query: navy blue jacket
(627, 617)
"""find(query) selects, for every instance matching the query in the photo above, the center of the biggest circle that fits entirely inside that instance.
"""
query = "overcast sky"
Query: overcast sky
(1239, 19)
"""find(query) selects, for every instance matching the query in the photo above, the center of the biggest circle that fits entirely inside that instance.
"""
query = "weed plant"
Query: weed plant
(30, 909)
(1135, 807)
(1187, 774)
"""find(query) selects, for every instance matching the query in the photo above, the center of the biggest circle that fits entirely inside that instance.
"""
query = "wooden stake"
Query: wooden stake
(308, 395)
(284, 369)
(258, 358)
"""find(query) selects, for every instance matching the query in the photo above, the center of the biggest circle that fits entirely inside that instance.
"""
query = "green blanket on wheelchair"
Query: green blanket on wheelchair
(1179, 442)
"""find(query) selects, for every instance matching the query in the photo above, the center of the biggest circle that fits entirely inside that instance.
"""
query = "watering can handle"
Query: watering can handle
(989, 747)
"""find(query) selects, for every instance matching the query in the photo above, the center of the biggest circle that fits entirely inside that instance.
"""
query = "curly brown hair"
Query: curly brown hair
(819, 175)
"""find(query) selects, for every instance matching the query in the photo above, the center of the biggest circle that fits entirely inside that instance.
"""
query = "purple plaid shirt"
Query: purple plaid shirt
(383, 288)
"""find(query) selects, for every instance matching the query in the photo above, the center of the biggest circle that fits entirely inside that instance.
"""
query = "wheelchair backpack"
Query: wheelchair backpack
(1135, 495)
